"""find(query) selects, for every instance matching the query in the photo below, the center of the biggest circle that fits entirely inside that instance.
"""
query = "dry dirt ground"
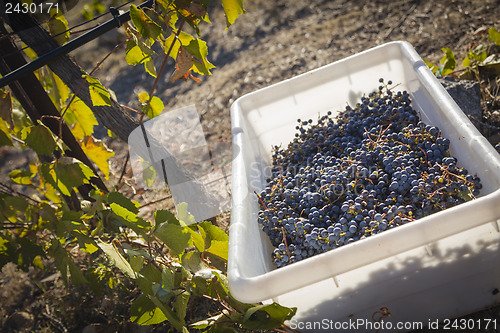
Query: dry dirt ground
(274, 41)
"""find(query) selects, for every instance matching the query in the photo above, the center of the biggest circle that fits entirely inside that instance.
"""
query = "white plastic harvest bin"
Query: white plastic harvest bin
(441, 266)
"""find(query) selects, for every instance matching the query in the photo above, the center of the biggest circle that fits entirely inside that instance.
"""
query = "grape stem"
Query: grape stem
(260, 199)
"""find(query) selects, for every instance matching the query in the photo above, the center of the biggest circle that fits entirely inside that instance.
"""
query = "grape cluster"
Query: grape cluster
(376, 166)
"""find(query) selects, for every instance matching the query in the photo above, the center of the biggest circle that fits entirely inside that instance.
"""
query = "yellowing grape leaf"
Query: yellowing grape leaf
(85, 119)
(58, 27)
(144, 24)
(62, 88)
(66, 173)
(137, 52)
(97, 151)
(152, 108)
(168, 10)
(196, 8)
(162, 21)
(494, 35)
(22, 177)
(143, 97)
(183, 38)
(183, 64)
(99, 95)
(219, 248)
(46, 188)
(29, 52)
(232, 8)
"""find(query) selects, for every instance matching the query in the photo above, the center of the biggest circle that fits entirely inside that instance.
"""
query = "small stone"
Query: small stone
(466, 94)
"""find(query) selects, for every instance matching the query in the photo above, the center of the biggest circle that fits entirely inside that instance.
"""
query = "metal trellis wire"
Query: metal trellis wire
(115, 22)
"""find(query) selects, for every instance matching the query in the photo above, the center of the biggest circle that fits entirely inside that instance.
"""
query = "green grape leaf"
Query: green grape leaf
(116, 259)
(208, 322)
(5, 138)
(494, 35)
(6, 107)
(77, 277)
(481, 56)
(20, 118)
(174, 236)
(180, 304)
(120, 199)
(144, 312)
(40, 139)
(28, 253)
(448, 61)
(167, 278)
(144, 24)
(171, 315)
(150, 67)
(22, 177)
(9, 206)
(65, 264)
(66, 173)
(130, 219)
(219, 248)
(232, 9)
(465, 195)
(197, 239)
(151, 108)
(58, 27)
(466, 62)
(99, 95)
(199, 50)
(192, 262)
(87, 12)
(97, 151)
(212, 232)
(149, 175)
(148, 276)
(162, 216)
(184, 215)
(267, 316)
(136, 261)
(86, 243)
